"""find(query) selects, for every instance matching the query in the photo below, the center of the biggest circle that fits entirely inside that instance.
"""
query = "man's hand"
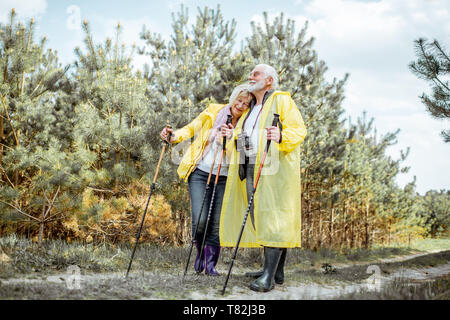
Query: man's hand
(165, 132)
(274, 134)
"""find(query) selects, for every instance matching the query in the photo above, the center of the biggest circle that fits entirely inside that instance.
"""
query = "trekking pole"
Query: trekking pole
(250, 202)
(200, 213)
(211, 204)
(152, 187)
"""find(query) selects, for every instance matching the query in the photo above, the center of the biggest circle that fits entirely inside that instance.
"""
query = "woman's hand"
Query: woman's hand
(165, 132)
(227, 130)
(224, 131)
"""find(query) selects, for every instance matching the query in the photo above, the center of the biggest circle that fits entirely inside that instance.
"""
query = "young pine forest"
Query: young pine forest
(79, 143)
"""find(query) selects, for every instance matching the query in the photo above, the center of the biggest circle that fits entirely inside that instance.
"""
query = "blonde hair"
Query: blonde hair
(238, 91)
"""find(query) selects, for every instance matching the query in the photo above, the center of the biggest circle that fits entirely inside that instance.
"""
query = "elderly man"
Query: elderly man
(275, 216)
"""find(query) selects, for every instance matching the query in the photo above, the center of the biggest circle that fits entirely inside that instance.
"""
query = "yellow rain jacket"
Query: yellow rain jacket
(277, 201)
(200, 126)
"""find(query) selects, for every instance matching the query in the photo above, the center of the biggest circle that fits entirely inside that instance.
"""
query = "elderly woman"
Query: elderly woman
(196, 165)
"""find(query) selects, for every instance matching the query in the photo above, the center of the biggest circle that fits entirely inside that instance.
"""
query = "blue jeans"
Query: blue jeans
(249, 184)
(197, 186)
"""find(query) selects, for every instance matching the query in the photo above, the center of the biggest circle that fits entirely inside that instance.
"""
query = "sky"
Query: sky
(372, 40)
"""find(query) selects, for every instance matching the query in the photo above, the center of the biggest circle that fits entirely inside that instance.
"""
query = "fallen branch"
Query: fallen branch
(100, 190)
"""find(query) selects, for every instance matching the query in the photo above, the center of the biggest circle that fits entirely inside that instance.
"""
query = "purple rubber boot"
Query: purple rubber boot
(199, 266)
(212, 256)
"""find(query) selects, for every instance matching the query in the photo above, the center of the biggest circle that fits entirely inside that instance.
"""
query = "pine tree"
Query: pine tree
(113, 111)
(436, 212)
(186, 71)
(433, 66)
(39, 163)
(89, 140)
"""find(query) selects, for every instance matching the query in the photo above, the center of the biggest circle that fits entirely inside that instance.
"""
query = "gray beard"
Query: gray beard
(257, 86)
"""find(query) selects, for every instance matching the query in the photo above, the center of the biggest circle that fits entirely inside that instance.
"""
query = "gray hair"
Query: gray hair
(243, 88)
(269, 71)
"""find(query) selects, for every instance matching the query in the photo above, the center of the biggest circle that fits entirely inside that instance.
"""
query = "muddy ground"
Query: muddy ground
(413, 276)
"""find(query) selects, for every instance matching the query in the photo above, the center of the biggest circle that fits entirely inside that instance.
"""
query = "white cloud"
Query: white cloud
(349, 29)
(175, 4)
(373, 41)
(23, 8)
(351, 21)
(383, 93)
(103, 27)
(429, 155)
(130, 34)
(376, 35)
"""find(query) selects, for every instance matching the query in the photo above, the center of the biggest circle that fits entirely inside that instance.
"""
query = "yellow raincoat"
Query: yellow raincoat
(277, 201)
(200, 126)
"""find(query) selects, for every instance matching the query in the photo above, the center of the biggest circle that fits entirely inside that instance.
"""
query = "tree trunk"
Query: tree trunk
(367, 238)
(16, 172)
(344, 234)
(307, 224)
(352, 235)
(389, 233)
(2, 135)
(41, 227)
(330, 239)
(186, 230)
(319, 235)
(311, 232)
(116, 186)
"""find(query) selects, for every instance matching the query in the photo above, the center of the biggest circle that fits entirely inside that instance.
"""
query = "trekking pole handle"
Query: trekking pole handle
(276, 119)
(229, 119)
(167, 141)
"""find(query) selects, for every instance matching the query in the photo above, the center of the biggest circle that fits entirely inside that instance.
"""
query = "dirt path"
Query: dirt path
(299, 283)
(315, 291)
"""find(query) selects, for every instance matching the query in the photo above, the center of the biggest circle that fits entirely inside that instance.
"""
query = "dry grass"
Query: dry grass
(157, 270)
